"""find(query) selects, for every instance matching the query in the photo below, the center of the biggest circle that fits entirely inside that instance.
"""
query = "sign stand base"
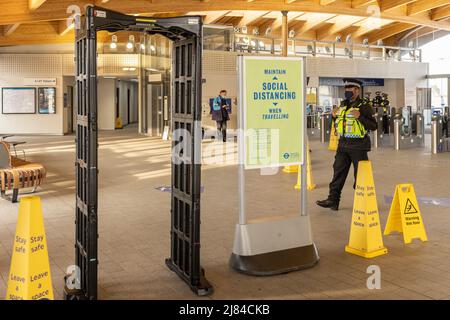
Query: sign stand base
(277, 262)
(273, 245)
(365, 254)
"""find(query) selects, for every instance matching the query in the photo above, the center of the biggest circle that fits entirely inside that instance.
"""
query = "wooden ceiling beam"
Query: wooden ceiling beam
(9, 30)
(362, 3)
(393, 4)
(313, 21)
(250, 17)
(341, 23)
(35, 4)
(214, 16)
(440, 13)
(64, 27)
(15, 12)
(424, 5)
(389, 31)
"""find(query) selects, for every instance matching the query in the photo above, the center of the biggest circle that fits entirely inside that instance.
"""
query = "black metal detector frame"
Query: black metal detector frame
(186, 34)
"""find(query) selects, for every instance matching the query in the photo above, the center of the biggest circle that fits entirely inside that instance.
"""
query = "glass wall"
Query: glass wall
(155, 84)
(439, 93)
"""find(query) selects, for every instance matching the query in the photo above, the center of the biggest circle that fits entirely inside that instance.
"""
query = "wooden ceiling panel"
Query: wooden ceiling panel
(40, 21)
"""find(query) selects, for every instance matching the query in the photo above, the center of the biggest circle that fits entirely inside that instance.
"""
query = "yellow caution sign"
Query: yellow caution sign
(29, 275)
(334, 139)
(309, 179)
(119, 124)
(365, 231)
(404, 215)
(290, 169)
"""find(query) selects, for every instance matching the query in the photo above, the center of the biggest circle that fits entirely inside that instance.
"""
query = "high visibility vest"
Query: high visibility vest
(347, 126)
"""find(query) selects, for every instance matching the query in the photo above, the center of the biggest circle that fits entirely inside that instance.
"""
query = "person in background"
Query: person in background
(220, 114)
(353, 119)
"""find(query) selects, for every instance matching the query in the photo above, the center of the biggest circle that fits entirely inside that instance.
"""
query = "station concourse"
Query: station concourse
(118, 133)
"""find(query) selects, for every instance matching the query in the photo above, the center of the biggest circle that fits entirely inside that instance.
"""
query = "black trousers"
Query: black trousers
(342, 162)
(222, 129)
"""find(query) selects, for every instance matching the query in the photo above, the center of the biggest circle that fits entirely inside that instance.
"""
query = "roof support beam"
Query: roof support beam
(424, 5)
(313, 21)
(326, 2)
(9, 30)
(389, 31)
(64, 27)
(250, 17)
(393, 4)
(35, 4)
(361, 3)
(440, 13)
(341, 23)
(214, 16)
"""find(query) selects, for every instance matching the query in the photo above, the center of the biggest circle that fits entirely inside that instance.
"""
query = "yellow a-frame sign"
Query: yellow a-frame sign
(366, 239)
(404, 215)
(29, 275)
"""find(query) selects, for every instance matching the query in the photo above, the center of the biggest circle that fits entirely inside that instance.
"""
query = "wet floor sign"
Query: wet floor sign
(366, 239)
(404, 216)
(29, 275)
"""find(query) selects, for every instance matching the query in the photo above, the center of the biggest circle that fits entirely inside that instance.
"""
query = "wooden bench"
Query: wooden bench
(18, 174)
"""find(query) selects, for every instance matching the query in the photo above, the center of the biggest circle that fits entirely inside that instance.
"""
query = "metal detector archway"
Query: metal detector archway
(186, 34)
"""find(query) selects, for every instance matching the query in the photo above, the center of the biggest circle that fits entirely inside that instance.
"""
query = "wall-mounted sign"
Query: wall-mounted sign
(18, 100)
(155, 77)
(339, 82)
(47, 100)
(39, 82)
(272, 106)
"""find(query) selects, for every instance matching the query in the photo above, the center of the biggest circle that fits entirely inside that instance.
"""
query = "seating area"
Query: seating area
(16, 173)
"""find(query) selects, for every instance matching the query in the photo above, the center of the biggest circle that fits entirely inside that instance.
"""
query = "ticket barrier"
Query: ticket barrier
(313, 125)
(379, 137)
(325, 127)
(440, 141)
(409, 133)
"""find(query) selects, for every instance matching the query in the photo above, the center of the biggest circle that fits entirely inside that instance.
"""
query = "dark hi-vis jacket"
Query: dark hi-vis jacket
(353, 132)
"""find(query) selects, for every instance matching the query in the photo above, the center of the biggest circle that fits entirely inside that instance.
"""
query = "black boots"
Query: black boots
(329, 203)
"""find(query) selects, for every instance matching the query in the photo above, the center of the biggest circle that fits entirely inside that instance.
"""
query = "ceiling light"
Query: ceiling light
(130, 44)
(113, 44)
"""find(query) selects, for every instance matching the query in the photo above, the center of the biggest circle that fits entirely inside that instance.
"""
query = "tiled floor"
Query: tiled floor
(134, 224)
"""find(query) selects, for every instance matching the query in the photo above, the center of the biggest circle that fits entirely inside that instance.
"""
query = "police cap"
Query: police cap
(350, 82)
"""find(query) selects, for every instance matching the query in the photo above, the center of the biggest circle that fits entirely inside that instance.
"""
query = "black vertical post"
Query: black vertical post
(86, 162)
(186, 174)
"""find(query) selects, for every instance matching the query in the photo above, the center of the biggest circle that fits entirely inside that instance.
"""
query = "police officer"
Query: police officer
(353, 119)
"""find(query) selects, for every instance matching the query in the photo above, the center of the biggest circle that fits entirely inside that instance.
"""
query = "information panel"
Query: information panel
(18, 100)
(273, 107)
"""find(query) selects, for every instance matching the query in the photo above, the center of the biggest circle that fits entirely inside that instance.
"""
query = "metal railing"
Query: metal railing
(305, 47)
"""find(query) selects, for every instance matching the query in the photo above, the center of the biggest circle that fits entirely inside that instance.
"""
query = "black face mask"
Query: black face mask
(348, 95)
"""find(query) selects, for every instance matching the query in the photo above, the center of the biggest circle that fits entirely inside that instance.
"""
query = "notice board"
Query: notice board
(18, 100)
(273, 106)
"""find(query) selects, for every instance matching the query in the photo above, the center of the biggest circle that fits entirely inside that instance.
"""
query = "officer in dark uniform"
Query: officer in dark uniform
(353, 119)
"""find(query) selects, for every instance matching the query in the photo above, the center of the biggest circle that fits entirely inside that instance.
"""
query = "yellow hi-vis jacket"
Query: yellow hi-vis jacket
(346, 124)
